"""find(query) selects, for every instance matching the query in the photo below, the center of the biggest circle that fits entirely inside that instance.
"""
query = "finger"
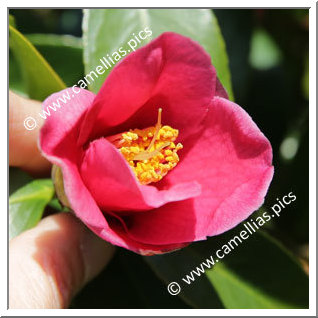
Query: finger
(51, 262)
(23, 150)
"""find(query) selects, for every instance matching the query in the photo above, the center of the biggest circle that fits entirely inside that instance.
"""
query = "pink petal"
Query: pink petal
(86, 209)
(115, 187)
(172, 72)
(58, 144)
(231, 159)
(62, 126)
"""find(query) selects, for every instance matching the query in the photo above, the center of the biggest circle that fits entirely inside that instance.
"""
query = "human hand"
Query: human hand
(23, 150)
(51, 262)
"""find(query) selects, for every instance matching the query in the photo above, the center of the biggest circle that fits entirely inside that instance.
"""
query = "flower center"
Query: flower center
(150, 152)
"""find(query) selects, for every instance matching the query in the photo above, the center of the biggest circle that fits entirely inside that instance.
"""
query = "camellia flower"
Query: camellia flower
(159, 157)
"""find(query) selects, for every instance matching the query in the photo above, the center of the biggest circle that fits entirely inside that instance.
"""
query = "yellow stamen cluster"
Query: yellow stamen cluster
(150, 152)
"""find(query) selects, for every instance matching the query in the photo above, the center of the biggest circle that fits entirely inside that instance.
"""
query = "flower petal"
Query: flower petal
(231, 159)
(62, 125)
(86, 209)
(172, 72)
(114, 186)
(58, 145)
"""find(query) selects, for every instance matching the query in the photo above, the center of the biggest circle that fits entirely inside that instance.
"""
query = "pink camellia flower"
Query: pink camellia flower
(159, 157)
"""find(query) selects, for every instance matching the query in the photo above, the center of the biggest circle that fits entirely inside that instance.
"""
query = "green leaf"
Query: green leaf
(264, 53)
(105, 31)
(130, 284)
(15, 77)
(17, 179)
(171, 267)
(39, 39)
(258, 273)
(63, 52)
(39, 77)
(27, 204)
(56, 205)
(305, 79)
(12, 21)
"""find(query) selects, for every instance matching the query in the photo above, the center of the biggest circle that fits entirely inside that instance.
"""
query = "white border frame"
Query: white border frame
(312, 166)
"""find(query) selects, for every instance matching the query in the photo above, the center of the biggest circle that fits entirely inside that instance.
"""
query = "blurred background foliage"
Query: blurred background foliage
(268, 59)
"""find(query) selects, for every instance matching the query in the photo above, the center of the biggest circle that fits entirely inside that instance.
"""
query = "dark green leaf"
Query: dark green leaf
(172, 267)
(27, 204)
(127, 282)
(258, 273)
(17, 179)
(105, 31)
(305, 79)
(63, 52)
(39, 77)
(39, 39)
(15, 77)
(56, 205)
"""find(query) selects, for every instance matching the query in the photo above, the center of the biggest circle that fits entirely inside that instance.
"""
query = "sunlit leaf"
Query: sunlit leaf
(39, 77)
(105, 31)
(27, 204)
(63, 52)
(11, 20)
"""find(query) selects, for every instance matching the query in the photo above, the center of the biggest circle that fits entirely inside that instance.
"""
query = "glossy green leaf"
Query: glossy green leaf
(105, 31)
(11, 20)
(63, 52)
(39, 77)
(15, 77)
(258, 273)
(27, 204)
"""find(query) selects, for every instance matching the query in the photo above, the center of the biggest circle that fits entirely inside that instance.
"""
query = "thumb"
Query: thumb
(51, 262)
